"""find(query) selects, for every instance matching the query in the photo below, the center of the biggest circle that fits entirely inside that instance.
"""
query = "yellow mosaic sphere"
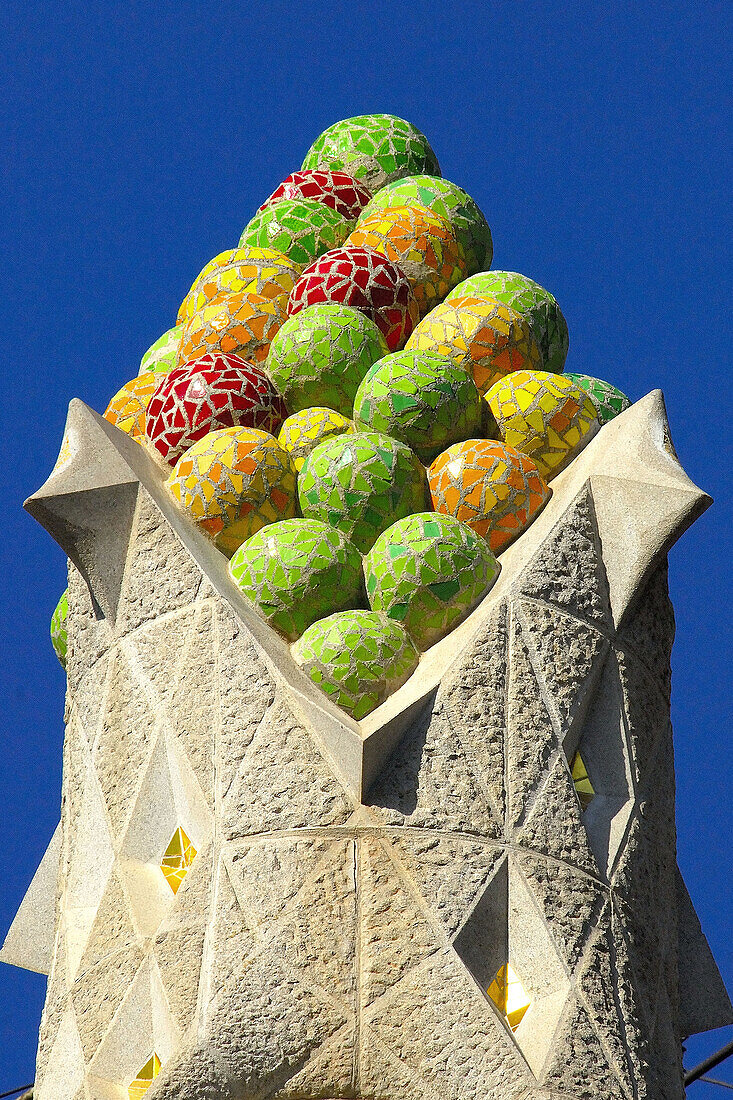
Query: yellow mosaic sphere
(481, 334)
(234, 324)
(262, 271)
(127, 408)
(304, 430)
(543, 415)
(233, 482)
(420, 242)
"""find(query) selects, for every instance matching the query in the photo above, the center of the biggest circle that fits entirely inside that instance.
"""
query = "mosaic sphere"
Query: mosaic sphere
(451, 202)
(424, 400)
(298, 571)
(536, 305)
(365, 280)
(58, 627)
(163, 354)
(235, 324)
(487, 338)
(375, 149)
(492, 487)
(216, 391)
(321, 354)
(544, 416)
(300, 228)
(421, 243)
(304, 430)
(362, 483)
(608, 400)
(357, 658)
(260, 271)
(341, 192)
(427, 572)
(233, 482)
(128, 408)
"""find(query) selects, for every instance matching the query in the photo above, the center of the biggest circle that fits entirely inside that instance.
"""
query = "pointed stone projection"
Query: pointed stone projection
(262, 897)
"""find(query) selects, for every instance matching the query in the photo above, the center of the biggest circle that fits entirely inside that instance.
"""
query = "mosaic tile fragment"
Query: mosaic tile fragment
(375, 149)
(509, 996)
(424, 400)
(262, 271)
(137, 1088)
(128, 408)
(480, 334)
(492, 487)
(215, 391)
(341, 192)
(608, 400)
(300, 228)
(305, 429)
(163, 354)
(233, 482)
(543, 415)
(321, 354)
(177, 858)
(428, 571)
(421, 242)
(366, 280)
(453, 203)
(233, 324)
(527, 297)
(362, 483)
(357, 658)
(298, 571)
(58, 627)
(581, 781)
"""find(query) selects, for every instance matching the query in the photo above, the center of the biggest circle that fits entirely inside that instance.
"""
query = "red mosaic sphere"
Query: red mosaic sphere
(341, 192)
(366, 280)
(215, 391)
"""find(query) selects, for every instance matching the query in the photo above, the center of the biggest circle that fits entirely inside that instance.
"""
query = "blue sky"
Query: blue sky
(140, 138)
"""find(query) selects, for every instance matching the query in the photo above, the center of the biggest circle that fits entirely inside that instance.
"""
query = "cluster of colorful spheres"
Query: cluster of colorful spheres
(358, 411)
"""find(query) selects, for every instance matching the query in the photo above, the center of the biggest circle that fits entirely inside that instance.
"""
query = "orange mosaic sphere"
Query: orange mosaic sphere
(419, 241)
(127, 408)
(492, 487)
(261, 271)
(234, 324)
(483, 335)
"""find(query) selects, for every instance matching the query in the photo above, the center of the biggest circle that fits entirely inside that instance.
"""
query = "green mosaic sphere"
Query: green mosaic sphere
(302, 229)
(375, 149)
(162, 355)
(468, 223)
(58, 627)
(527, 297)
(608, 400)
(296, 572)
(428, 571)
(362, 483)
(425, 400)
(358, 658)
(320, 356)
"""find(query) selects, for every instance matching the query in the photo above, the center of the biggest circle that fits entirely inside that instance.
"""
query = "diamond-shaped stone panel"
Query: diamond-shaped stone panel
(396, 934)
(568, 569)
(532, 740)
(577, 1063)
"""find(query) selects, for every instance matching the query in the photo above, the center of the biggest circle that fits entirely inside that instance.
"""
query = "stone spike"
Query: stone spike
(704, 1000)
(88, 502)
(645, 504)
(30, 939)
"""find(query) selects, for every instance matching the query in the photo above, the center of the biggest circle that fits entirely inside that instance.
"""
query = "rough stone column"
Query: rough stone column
(356, 888)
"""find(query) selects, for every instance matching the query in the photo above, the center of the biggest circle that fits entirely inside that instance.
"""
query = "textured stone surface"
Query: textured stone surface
(321, 946)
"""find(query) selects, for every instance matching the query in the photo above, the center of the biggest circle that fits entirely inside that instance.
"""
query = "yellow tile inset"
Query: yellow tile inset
(177, 858)
(508, 994)
(583, 786)
(145, 1078)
